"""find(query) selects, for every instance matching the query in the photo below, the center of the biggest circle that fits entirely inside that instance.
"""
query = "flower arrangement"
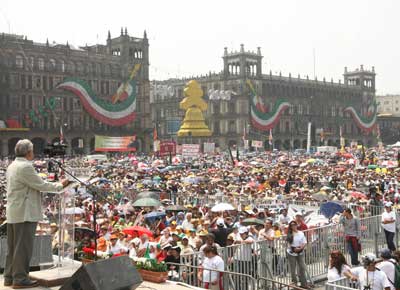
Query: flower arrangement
(88, 253)
(151, 270)
(151, 265)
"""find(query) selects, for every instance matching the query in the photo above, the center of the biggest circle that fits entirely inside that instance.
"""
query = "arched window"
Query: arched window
(62, 65)
(19, 61)
(41, 63)
(31, 62)
(52, 64)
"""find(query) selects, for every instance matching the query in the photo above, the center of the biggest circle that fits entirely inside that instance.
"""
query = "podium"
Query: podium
(65, 265)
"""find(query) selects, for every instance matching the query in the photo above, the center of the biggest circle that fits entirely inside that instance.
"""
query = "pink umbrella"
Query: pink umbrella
(358, 195)
(142, 166)
(251, 184)
(157, 163)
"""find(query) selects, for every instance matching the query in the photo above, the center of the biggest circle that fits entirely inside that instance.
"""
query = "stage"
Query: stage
(145, 285)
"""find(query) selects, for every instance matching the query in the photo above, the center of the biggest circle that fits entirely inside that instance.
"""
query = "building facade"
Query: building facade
(30, 73)
(389, 105)
(321, 102)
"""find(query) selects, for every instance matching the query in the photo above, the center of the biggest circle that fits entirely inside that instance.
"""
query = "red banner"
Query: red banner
(167, 148)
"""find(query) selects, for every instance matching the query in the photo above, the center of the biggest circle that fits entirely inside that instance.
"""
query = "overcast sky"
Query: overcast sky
(188, 37)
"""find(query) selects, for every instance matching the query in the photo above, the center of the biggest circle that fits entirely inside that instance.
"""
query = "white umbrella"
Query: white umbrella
(397, 144)
(74, 210)
(222, 207)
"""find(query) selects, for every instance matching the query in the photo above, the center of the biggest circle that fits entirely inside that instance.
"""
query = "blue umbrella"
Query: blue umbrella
(152, 216)
(329, 209)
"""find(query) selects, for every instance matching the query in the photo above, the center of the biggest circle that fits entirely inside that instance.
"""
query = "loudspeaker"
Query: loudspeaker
(111, 274)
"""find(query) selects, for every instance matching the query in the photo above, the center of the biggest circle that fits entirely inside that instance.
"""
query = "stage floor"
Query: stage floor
(145, 285)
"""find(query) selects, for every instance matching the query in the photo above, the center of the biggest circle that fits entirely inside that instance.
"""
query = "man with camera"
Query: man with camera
(24, 210)
(370, 277)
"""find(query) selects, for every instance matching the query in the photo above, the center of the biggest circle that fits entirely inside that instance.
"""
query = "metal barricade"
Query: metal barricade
(202, 277)
(269, 284)
(264, 259)
(341, 284)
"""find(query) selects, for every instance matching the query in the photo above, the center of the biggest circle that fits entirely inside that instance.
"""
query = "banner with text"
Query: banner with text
(209, 147)
(115, 144)
(167, 148)
(257, 144)
(190, 150)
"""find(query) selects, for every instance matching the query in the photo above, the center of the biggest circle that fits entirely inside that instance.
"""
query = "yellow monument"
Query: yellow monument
(194, 105)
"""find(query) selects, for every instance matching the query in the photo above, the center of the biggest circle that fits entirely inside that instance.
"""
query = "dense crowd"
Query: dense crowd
(216, 201)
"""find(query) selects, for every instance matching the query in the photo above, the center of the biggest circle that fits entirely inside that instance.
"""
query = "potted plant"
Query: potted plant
(152, 271)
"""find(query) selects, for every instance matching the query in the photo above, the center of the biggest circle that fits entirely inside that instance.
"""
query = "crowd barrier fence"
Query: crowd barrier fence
(229, 280)
(268, 259)
(341, 284)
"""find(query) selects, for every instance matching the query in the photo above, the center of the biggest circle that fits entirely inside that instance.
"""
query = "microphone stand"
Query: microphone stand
(93, 190)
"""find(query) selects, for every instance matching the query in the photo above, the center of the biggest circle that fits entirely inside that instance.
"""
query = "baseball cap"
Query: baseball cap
(243, 230)
(220, 222)
(368, 259)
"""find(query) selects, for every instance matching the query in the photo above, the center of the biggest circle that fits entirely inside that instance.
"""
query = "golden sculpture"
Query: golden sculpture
(194, 123)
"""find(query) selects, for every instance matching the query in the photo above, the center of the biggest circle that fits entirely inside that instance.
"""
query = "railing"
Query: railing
(268, 259)
(341, 284)
(227, 280)
(203, 277)
(268, 284)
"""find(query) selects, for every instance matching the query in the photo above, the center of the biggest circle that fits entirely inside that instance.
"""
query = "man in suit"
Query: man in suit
(24, 210)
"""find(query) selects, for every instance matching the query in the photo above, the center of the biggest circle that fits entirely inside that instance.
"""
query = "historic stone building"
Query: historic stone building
(389, 105)
(30, 72)
(229, 97)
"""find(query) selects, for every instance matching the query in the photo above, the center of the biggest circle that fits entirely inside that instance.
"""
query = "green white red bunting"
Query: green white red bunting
(117, 114)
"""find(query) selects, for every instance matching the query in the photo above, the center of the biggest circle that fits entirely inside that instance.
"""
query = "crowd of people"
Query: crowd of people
(217, 201)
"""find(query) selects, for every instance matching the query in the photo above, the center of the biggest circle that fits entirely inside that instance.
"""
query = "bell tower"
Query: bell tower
(365, 79)
(242, 63)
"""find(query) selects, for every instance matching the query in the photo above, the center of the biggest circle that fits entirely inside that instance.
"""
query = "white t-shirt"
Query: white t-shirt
(165, 240)
(143, 245)
(214, 263)
(299, 239)
(388, 268)
(117, 249)
(284, 219)
(377, 280)
(187, 225)
(388, 216)
(265, 235)
(334, 275)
